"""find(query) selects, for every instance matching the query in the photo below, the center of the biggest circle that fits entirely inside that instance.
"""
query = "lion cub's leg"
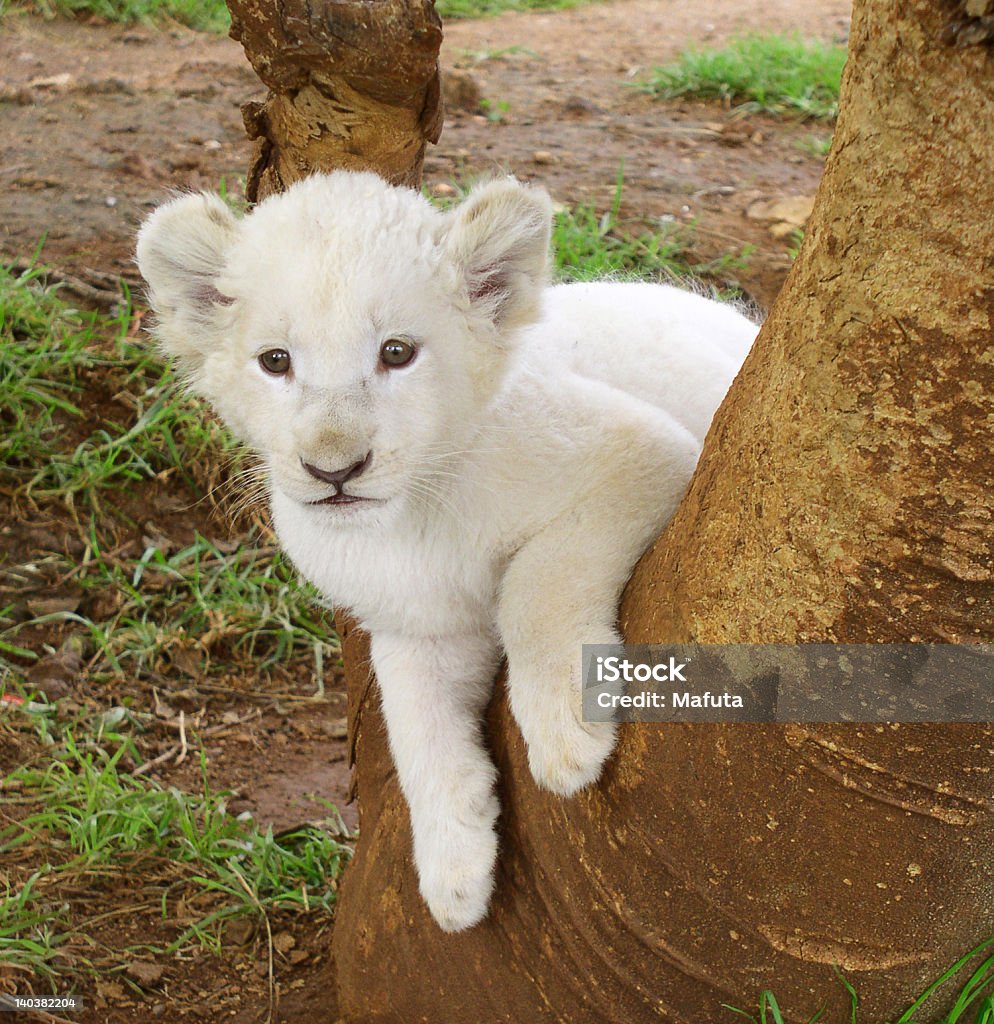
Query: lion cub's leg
(561, 589)
(434, 695)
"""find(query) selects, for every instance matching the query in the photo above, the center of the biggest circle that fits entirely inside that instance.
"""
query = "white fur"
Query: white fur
(521, 464)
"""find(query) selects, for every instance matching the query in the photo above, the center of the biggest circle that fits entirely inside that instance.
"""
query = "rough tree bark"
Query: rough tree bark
(352, 84)
(845, 493)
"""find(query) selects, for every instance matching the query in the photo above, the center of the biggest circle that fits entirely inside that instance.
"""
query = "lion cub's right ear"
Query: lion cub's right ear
(182, 249)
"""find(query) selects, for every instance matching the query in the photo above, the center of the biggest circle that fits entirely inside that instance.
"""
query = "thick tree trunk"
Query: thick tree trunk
(352, 84)
(845, 493)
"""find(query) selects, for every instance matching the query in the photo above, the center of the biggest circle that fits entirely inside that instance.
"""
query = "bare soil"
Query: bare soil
(99, 121)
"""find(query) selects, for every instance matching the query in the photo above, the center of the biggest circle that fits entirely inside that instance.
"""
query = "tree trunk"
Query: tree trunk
(844, 494)
(352, 84)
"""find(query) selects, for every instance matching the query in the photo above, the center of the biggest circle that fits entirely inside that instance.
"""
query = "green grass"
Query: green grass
(89, 419)
(42, 350)
(242, 606)
(205, 15)
(95, 433)
(775, 74)
(589, 244)
(32, 931)
(213, 16)
(90, 818)
(50, 354)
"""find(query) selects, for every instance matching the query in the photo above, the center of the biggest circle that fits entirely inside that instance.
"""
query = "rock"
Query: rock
(783, 229)
(57, 83)
(443, 190)
(784, 215)
(143, 972)
(735, 133)
(336, 730)
(239, 931)
(108, 993)
(543, 156)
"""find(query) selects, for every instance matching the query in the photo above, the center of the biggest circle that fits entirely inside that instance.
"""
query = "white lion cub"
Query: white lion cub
(469, 460)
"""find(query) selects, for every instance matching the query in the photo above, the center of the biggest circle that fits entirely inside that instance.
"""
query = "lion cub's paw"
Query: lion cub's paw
(571, 755)
(456, 874)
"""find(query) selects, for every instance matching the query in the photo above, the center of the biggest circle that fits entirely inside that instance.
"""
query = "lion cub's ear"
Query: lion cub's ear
(181, 251)
(499, 240)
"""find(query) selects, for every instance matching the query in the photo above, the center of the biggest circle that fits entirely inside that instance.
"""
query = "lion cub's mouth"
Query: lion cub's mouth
(343, 499)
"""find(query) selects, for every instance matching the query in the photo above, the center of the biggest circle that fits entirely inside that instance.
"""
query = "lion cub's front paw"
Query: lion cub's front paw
(456, 874)
(570, 754)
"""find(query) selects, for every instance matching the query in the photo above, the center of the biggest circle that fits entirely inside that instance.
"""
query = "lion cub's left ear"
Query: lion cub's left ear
(499, 240)
(182, 249)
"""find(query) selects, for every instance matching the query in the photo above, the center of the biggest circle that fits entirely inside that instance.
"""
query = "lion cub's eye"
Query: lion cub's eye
(275, 361)
(397, 352)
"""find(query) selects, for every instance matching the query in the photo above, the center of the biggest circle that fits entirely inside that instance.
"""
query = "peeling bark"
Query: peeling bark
(351, 84)
(846, 492)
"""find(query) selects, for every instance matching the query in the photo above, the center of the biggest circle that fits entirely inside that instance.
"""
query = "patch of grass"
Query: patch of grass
(495, 110)
(89, 817)
(205, 15)
(976, 992)
(774, 74)
(89, 417)
(31, 930)
(213, 16)
(49, 354)
(243, 605)
(42, 346)
(589, 245)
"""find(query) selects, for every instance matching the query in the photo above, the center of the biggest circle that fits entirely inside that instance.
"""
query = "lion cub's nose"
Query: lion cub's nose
(340, 476)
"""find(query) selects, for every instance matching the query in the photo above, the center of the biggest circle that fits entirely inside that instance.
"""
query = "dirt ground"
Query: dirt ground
(99, 121)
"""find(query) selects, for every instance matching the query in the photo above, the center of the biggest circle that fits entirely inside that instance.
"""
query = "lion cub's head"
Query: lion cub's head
(347, 330)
